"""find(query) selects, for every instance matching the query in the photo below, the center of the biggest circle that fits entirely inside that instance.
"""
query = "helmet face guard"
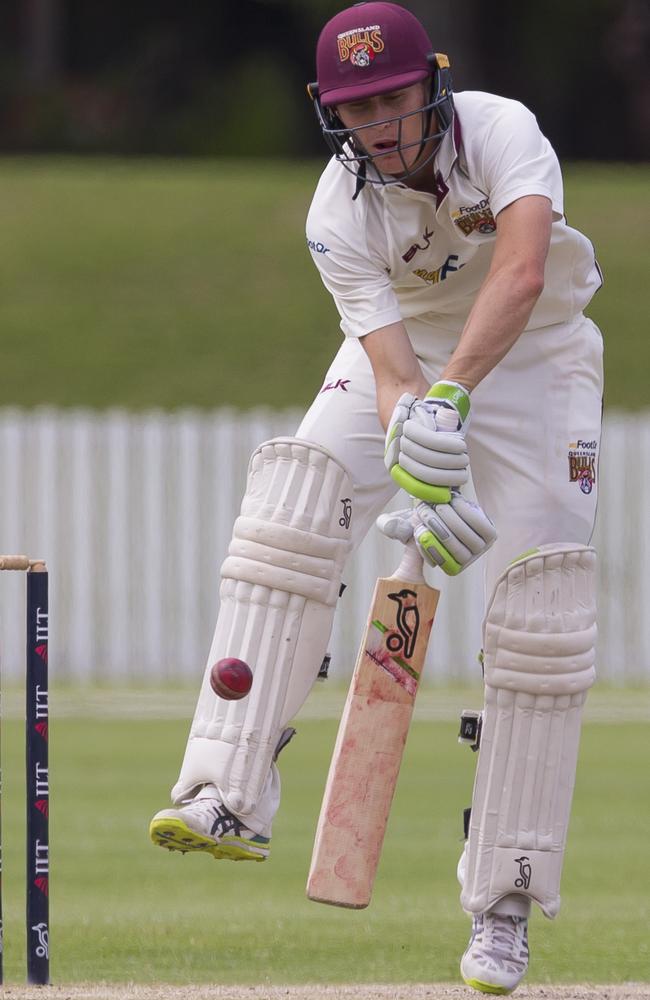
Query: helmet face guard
(347, 144)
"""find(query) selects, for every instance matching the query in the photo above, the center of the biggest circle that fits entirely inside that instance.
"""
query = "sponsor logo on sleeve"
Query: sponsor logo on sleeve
(317, 247)
(475, 218)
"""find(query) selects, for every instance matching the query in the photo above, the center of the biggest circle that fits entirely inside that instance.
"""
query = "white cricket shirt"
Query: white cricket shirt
(398, 254)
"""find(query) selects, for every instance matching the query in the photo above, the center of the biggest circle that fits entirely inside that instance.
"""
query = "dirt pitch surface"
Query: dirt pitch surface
(414, 991)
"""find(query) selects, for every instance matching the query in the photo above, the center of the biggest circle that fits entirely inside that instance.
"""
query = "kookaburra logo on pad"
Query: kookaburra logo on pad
(346, 515)
(525, 872)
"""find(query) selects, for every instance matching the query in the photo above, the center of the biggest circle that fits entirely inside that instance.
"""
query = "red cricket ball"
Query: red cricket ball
(231, 678)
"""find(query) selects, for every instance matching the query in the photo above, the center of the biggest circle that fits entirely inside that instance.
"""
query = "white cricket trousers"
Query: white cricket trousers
(535, 423)
(534, 439)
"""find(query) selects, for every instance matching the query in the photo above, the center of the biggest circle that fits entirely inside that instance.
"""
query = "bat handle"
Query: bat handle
(411, 566)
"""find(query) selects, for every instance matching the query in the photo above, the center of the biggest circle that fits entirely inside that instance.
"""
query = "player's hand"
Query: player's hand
(426, 452)
(449, 535)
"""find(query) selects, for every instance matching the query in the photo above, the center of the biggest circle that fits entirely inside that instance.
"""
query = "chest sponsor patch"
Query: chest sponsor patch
(439, 273)
(475, 218)
(424, 245)
(582, 464)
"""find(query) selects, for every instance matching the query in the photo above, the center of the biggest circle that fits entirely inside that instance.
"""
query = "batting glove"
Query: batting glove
(449, 535)
(426, 452)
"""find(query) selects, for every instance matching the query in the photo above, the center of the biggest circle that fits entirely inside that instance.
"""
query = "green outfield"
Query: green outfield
(188, 283)
(123, 910)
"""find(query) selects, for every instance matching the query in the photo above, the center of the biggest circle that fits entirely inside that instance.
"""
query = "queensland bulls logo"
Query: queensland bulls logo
(582, 463)
(360, 45)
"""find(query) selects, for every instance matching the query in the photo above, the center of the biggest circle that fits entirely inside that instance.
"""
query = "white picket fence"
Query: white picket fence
(133, 513)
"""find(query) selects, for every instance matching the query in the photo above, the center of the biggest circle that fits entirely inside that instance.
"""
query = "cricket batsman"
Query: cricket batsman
(438, 227)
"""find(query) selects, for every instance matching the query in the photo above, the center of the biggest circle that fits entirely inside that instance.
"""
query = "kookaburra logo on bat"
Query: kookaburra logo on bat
(408, 623)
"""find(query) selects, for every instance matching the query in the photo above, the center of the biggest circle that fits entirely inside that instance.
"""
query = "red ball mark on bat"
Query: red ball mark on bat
(231, 678)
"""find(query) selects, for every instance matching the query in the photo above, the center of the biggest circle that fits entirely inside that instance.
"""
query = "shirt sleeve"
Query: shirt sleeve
(360, 286)
(518, 160)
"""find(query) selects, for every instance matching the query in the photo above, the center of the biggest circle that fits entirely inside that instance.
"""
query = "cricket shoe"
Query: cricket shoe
(496, 959)
(204, 824)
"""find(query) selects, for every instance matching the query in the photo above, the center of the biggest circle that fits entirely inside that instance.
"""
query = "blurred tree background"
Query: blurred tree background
(157, 161)
(226, 78)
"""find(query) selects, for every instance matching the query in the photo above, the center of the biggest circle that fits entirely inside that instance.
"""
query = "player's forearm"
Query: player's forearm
(389, 391)
(395, 367)
(497, 319)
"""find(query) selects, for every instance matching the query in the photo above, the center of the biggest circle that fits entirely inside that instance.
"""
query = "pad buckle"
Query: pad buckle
(324, 668)
(471, 723)
(285, 737)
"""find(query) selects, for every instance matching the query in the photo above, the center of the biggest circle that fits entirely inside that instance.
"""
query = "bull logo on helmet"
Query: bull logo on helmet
(360, 45)
(361, 56)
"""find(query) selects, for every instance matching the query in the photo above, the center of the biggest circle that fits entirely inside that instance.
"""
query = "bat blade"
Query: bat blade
(370, 743)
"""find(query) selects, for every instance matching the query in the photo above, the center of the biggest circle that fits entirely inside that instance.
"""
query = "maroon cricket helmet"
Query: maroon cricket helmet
(372, 49)
(369, 49)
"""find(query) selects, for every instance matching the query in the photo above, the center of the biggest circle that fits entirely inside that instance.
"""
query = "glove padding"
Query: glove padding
(426, 452)
(450, 535)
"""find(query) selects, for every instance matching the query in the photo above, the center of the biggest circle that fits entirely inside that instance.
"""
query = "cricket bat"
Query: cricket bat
(371, 738)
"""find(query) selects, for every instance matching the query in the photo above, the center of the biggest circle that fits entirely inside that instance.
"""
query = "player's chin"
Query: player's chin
(393, 163)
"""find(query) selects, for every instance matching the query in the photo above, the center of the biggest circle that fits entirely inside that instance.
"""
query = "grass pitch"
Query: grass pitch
(187, 283)
(316, 991)
(125, 911)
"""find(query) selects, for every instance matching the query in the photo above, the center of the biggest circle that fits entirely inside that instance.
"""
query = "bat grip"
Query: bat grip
(410, 568)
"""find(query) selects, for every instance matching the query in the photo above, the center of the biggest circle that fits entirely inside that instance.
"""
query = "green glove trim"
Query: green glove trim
(452, 394)
(416, 488)
(523, 555)
(393, 434)
(449, 565)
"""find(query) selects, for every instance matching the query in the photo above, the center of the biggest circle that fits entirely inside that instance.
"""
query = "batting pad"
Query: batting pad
(540, 635)
(280, 584)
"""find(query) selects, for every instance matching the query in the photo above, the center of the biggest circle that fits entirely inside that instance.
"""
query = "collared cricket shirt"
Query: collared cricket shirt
(398, 254)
